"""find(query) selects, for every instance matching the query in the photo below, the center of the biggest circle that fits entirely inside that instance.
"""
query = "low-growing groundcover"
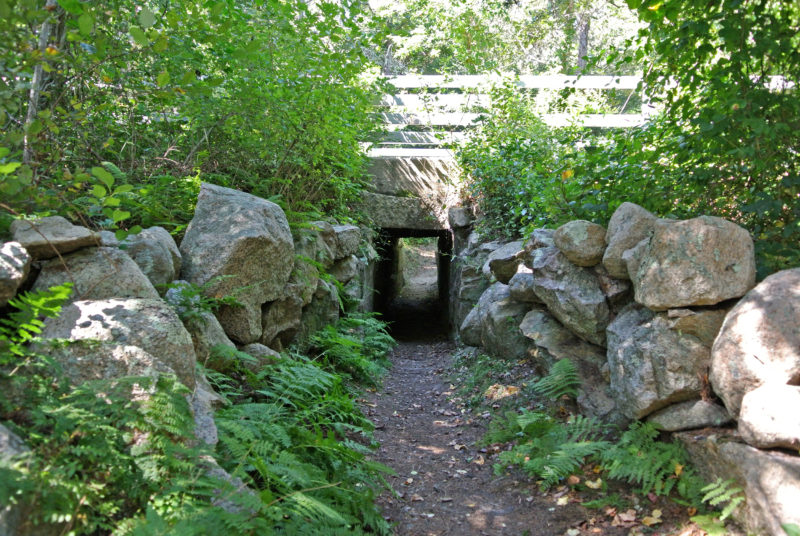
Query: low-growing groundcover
(632, 478)
(102, 461)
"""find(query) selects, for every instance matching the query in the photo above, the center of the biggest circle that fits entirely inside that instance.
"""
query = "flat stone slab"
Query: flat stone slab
(48, 237)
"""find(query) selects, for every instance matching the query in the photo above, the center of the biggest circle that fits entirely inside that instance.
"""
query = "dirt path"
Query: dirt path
(444, 483)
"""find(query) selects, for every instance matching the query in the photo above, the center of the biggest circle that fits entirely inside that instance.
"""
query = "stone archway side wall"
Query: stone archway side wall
(665, 323)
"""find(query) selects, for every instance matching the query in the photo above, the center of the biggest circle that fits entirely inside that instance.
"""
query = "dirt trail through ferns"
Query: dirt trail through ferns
(444, 482)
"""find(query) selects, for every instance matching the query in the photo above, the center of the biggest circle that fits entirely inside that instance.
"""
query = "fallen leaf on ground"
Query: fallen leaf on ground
(573, 480)
(498, 391)
(650, 520)
(416, 498)
(479, 460)
(563, 500)
(596, 484)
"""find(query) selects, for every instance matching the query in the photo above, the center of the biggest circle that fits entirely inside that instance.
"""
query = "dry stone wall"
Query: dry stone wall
(134, 310)
(665, 323)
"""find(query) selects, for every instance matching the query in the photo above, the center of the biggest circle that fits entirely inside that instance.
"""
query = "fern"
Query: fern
(722, 492)
(562, 380)
(655, 466)
(104, 463)
(551, 450)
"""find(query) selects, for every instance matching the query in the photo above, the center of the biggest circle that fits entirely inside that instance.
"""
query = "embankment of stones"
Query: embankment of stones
(665, 323)
(124, 315)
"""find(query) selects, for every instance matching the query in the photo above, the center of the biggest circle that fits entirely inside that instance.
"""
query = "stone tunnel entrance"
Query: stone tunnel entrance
(412, 283)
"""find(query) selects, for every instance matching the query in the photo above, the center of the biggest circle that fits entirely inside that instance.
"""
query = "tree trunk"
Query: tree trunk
(583, 39)
(37, 81)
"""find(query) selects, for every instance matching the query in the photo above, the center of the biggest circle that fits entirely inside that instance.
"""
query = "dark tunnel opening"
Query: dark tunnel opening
(412, 313)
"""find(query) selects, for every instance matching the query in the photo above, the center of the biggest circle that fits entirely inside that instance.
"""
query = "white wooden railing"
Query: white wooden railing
(420, 122)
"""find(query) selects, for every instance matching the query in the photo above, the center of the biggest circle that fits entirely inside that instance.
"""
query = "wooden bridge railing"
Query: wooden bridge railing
(431, 111)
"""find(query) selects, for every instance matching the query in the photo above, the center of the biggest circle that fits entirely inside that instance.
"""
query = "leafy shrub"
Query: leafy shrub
(102, 461)
(724, 145)
(271, 98)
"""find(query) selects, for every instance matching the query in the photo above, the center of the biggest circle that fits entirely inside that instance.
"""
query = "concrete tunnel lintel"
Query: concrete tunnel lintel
(411, 192)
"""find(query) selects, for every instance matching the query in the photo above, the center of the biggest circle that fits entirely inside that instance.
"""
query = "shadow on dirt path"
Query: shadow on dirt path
(444, 484)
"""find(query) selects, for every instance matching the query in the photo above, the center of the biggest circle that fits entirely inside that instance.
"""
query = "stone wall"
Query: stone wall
(123, 315)
(665, 323)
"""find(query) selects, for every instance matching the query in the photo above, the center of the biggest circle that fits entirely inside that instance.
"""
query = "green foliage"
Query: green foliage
(639, 458)
(562, 380)
(724, 143)
(192, 301)
(723, 492)
(120, 455)
(791, 529)
(356, 347)
(270, 97)
(551, 450)
(733, 137)
(480, 36)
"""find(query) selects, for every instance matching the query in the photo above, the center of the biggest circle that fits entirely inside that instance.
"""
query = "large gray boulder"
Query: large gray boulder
(651, 365)
(206, 333)
(702, 323)
(472, 325)
(500, 334)
(768, 417)
(280, 321)
(156, 253)
(689, 415)
(322, 311)
(46, 238)
(246, 240)
(618, 292)
(702, 261)
(97, 274)
(494, 324)
(553, 342)
(348, 240)
(459, 217)
(320, 242)
(770, 479)
(502, 262)
(120, 337)
(539, 238)
(469, 285)
(581, 241)
(344, 269)
(759, 341)
(571, 293)
(629, 225)
(15, 264)
(521, 288)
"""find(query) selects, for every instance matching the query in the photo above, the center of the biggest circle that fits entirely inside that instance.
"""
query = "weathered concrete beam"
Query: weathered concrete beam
(411, 192)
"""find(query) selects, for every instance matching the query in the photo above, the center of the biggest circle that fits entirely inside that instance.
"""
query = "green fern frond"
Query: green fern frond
(723, 492)
(562, 380)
